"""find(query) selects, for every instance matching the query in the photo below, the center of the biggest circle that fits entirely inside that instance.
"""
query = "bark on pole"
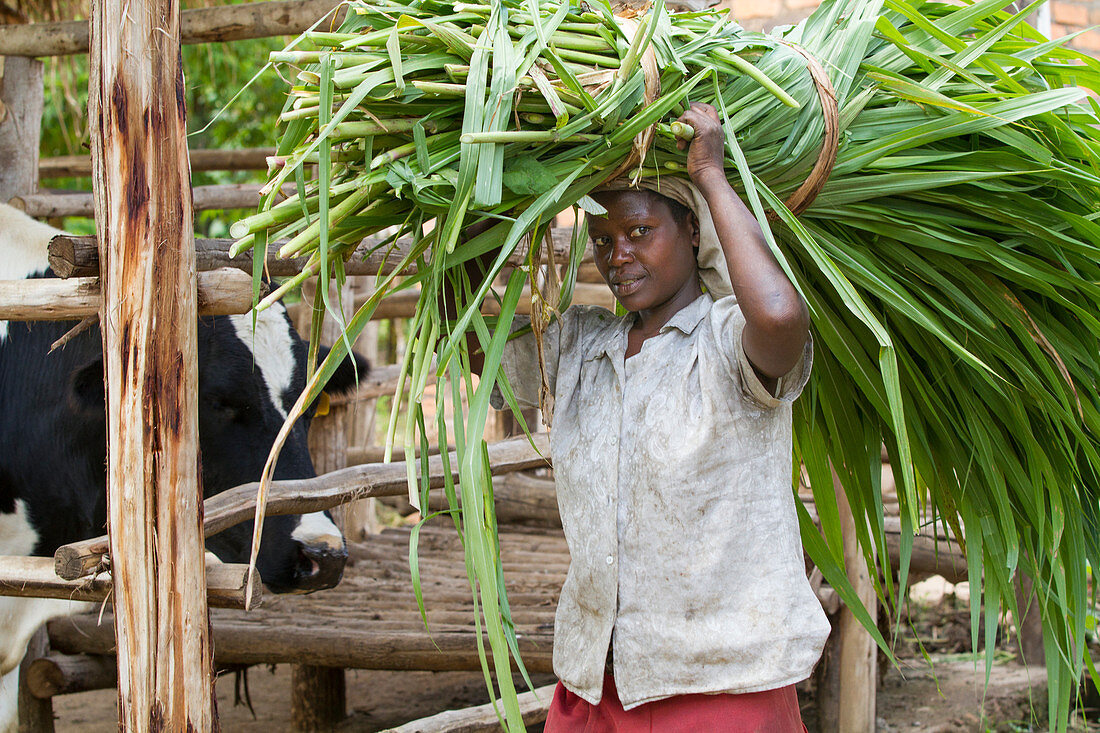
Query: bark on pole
(318, 694)
(857, 653)
(142, 185)
(20, 125)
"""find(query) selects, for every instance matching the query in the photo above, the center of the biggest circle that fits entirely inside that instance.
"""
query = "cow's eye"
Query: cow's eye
(227, 410)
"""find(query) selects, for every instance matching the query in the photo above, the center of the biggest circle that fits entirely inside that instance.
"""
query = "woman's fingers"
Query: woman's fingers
(699, 114)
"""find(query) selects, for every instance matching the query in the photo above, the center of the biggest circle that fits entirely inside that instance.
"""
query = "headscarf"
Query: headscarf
(713, 271)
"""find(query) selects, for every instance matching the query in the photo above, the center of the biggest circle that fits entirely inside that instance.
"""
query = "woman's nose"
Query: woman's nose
(621, 253)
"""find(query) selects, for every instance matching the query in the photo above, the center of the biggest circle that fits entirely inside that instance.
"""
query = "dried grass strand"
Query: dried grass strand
(805, 194)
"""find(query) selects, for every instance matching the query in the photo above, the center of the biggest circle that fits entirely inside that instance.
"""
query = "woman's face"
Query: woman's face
(646, 255)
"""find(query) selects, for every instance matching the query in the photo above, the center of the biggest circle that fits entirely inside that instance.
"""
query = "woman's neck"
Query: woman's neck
(648, 322)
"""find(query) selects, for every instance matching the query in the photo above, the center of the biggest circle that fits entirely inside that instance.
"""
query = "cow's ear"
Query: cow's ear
(88, 385)
(344, 378)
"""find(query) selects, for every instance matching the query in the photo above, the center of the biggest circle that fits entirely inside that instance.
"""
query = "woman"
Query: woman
(686, 606)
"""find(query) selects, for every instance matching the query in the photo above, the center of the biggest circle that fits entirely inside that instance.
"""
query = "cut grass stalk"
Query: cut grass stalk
(950, 259)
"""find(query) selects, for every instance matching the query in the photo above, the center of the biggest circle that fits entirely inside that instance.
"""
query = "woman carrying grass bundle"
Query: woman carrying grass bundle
(686, 607)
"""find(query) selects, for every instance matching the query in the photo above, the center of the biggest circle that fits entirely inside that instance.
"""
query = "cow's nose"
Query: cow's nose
(322, 553)
(319, 566)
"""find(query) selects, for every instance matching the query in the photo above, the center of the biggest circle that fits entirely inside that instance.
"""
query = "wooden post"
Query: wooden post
(142, 187)
(318, 698)
(20, 125)
(1029, 627)
(35, 714)
(361, 517)
(854, 658)
(20, 137)
(328, 439)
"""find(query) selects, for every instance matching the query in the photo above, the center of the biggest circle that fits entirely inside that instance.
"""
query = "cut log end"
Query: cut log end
(227, 586)
(33, 577)
(75, 561)
(61, 674)
(65, 256)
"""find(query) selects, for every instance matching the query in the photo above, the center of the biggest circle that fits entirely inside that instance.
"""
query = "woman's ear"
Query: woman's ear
(693, 226)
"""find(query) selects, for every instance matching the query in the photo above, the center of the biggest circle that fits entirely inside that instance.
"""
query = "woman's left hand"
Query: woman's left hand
(707, 149)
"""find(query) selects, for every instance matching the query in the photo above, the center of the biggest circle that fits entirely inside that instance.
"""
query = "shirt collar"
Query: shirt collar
(688, 317)
(614, 343)
(686, 320)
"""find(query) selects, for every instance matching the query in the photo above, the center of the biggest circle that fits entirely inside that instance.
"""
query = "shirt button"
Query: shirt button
(610, 560)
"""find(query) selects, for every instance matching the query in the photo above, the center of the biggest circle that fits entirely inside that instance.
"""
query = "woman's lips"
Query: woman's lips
(628, 286)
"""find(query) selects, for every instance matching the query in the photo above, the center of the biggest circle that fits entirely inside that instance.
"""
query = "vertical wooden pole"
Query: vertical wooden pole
(318, 699)
(1029, 627)
(20, 125)
(360, 518)
(328, 436)
(35, 715)
(21, 98)
(856, 654)
(144, 219)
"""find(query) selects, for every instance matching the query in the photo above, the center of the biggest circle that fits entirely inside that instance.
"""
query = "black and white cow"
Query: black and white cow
(53, 443)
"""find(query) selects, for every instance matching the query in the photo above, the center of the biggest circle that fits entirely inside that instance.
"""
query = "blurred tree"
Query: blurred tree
(214, 73)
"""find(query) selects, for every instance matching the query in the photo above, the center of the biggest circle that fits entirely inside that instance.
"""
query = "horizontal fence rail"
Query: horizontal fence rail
(198, 25)
(303, 496)
(242, 643)
(77, 256)
(34, 577)
(79, 203)
(402, 304)
(533, 707)
(220, 292)
(216, 159)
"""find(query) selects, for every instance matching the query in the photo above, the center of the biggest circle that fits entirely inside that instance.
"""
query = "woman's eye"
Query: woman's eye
(639, 232)
(601, 241)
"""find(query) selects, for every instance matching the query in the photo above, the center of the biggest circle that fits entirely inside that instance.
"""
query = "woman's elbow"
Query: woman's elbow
(779, 338)
(796, 320)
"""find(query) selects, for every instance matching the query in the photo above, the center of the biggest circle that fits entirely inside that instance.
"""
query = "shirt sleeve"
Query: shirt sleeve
(729, 323)
(519, 364)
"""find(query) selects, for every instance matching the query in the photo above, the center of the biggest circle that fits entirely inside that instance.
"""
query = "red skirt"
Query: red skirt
(770, 711)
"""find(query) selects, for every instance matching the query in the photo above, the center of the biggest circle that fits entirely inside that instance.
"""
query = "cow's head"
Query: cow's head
(248, 381)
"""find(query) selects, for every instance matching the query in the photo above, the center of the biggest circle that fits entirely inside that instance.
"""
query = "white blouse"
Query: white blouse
(673, 474)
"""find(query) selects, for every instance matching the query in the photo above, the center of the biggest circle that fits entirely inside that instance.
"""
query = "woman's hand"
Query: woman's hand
(706, 159)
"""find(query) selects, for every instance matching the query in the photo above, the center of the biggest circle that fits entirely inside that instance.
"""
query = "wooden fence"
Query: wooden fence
(220, 287)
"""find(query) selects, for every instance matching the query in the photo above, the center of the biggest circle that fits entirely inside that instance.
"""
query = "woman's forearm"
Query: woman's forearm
(776, 318)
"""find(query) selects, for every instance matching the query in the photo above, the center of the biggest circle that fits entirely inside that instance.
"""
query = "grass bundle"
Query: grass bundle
(949, 260)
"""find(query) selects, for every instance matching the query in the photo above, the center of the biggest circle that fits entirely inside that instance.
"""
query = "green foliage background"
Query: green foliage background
(214, 72)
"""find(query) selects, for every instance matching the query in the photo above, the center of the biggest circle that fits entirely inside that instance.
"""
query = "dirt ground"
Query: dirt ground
(948, 698)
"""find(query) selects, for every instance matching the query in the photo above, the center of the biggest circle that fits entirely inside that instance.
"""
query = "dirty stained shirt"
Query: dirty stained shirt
(673, 476)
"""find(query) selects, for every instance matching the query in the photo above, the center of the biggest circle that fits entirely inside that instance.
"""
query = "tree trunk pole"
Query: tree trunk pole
(20, 125)
(142, 185)
(35, 714)
(857, 653)
(1029, 627)
(361, 517)
(318, 698)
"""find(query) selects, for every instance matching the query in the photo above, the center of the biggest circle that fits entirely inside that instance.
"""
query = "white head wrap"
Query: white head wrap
(712, 260)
